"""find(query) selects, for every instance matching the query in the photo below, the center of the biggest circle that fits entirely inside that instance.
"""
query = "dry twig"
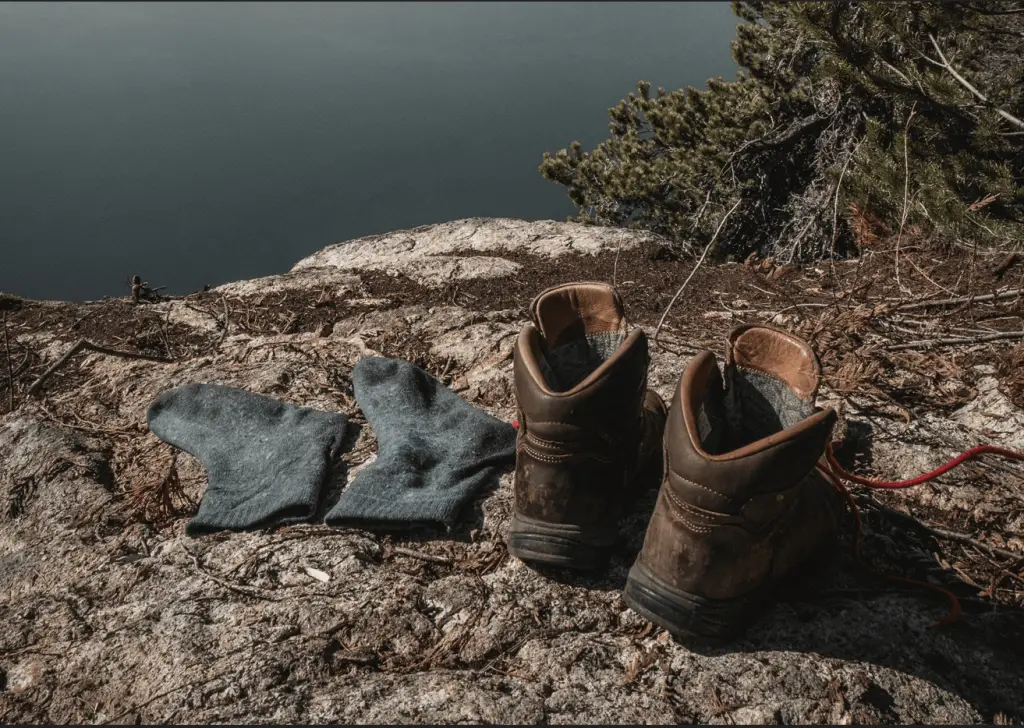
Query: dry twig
(248, 592)
(929, 343)
(421, 556)
(906, 195)
(224, 331)
(967, 85)
(165, 693)
(1008, 262)
(1001, 296)
(835, 217)
(961, 538)
(700, 260)
(88, 345)
(615, 266)
(163, 331)
(10, 372)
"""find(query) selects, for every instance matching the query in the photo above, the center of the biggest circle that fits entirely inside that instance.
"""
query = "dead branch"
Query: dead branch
(88, 345)
(929, 343)
(87, 426)
(942, 533)
(899, 73)
(163, 331)
(700, 212)
(926, 276)
(703, 255)
(224, 331)
(24, 364)
(615, 266)
(835, 210)
(165, 693)
(906, 193)
(1001, 296)
(835, 217)
(244, 591)
(421, 556)
(1008, 262)
(982, 10)
(967, 85)
(10, 371)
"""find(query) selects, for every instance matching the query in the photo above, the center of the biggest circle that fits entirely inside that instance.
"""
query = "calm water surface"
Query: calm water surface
(197, 143)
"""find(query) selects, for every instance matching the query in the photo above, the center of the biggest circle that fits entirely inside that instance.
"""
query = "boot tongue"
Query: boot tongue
(582, 325)
(578, 311)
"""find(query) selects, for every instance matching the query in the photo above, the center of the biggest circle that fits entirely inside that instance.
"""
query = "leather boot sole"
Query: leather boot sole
(556, 544)
(688, 616)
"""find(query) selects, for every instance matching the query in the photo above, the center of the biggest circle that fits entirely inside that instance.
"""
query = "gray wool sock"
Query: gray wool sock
(435, 450)
(266, 460)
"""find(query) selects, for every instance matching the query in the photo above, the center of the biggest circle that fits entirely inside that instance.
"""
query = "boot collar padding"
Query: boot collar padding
(777, 354)
(701, 379)
(577, 310)
(529, 355)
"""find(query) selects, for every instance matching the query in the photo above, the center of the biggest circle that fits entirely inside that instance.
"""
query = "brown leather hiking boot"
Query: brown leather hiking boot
(742, 508)
(590, 432)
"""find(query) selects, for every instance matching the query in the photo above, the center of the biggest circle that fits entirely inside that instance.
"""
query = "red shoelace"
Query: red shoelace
(836, 474)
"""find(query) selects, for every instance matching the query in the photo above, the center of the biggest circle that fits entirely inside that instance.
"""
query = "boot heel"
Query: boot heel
(683, 614)
(555, 544)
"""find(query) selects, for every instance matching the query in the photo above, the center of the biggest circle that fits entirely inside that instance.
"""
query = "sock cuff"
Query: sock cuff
(364, 500)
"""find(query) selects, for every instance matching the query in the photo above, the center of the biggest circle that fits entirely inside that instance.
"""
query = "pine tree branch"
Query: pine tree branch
(898, 72)
(967, 85)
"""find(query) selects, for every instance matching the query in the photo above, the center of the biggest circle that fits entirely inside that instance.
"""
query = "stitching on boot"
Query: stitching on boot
(698, 485)
(680, 517)
(694, 510)
(541, 441)
(599, 434)
(553, 459)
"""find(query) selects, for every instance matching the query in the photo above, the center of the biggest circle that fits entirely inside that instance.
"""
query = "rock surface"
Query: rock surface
(111, 614)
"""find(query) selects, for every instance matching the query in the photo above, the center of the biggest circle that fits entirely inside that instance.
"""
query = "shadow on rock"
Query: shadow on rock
(850, 615)
(632, 528)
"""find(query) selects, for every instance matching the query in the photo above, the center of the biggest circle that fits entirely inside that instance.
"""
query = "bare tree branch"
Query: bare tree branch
(89, 346)
(929, 343)
(967, 85)
(703, 255)
(906, 192)
(10, 372)
(977, 8)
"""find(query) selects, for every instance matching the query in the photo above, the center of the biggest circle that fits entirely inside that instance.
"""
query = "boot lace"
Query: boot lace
(836, 474)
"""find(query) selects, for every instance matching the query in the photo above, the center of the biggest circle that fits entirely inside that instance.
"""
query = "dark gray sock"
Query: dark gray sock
(266, 460)
(435, 450)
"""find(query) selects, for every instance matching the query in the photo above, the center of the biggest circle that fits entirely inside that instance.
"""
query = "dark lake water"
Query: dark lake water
(197, 143)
